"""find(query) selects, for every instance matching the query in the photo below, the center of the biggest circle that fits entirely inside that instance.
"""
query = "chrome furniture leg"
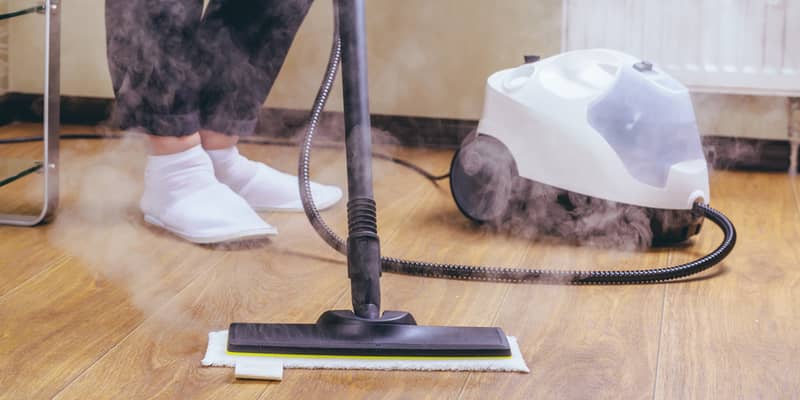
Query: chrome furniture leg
(51, 117)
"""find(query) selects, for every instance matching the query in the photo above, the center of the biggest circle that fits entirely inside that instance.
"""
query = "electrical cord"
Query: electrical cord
(110, 136)
(29, 10)
(35, 168)
(63, 136)
(487, 273)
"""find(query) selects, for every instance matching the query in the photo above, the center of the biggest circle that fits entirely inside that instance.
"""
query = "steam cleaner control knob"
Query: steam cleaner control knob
(643, 66)
(530, 59)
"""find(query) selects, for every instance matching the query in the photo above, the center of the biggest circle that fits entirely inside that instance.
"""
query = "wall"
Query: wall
(427, 58)
(758, 117)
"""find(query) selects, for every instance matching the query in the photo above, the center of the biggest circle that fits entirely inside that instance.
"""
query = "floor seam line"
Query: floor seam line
(660, 333)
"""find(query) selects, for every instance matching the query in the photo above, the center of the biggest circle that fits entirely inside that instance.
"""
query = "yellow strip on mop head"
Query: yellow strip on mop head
(218, 356)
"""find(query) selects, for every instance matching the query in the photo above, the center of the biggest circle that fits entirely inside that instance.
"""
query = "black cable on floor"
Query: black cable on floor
(267, 142)
(29, 10)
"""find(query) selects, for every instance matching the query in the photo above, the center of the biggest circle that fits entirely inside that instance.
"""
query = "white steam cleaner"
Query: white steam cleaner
(582, 133)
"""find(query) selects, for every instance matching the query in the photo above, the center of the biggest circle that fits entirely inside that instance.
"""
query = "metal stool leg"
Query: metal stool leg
(51, 124)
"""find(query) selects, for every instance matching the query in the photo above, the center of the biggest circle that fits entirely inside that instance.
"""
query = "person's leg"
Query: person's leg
(151, 52)
(216, 141)
(152, 56)
(246, 43)
(165, 145)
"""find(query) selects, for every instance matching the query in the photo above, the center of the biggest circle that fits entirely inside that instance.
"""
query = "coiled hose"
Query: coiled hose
(488, 273)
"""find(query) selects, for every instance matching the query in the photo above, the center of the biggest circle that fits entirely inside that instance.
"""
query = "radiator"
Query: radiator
(718, 46)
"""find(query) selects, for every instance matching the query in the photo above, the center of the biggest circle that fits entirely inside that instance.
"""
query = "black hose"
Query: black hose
(485, 273)
(522, 275)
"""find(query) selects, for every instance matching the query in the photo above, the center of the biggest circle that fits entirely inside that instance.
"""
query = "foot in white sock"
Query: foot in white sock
(182, 196)
(265, 188)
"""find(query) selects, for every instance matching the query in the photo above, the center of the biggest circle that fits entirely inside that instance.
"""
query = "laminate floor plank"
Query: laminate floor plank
(736, 336)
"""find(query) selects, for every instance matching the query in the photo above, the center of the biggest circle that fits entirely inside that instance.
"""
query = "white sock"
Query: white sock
(173, 176)
(183, 196)
(265, 188)
(231, 168)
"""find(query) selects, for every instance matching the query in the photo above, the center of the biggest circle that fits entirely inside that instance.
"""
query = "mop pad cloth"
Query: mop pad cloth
(182, 195)
(265, 188)
(218, 356)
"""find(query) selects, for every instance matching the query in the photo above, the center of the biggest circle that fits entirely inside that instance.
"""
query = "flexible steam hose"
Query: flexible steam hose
(487, 273)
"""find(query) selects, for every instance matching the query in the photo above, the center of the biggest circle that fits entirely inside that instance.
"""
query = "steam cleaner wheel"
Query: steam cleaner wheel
(482, 176)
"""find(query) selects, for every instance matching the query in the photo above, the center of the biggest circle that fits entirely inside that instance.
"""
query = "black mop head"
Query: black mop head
(340, 333)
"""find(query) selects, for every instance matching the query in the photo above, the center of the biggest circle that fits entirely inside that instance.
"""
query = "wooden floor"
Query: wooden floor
(98, 305)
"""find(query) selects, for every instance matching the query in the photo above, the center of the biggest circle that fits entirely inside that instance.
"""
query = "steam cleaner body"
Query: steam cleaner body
(579, 132)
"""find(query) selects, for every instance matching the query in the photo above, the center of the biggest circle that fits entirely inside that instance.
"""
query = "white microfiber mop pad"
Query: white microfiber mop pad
(217, 356)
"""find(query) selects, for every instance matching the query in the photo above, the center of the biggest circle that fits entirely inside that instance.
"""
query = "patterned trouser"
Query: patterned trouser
(176, 70)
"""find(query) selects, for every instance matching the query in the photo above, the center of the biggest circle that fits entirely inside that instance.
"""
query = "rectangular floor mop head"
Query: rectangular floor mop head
(339, 340)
